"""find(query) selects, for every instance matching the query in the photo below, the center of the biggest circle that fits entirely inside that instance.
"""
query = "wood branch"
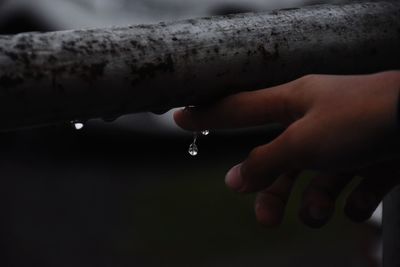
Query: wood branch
(82, 74)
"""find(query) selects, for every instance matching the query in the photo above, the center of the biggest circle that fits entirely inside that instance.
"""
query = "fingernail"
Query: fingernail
(319, 213)
(234, 179)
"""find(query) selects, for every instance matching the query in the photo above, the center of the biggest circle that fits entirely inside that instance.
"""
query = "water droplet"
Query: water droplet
(193, 150)
(78, 125)
(205, 132)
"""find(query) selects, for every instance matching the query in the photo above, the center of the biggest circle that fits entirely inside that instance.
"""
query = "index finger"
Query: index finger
(241, 110)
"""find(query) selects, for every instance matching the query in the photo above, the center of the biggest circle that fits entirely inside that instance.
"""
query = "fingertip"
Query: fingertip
(181, 118)
(177, 115)
(234, 179)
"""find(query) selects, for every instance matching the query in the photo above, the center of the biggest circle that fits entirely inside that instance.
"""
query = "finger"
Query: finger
(366, 197)
(265, 163)
(271, 203)
(241, 110)
(319, 198)
(379, 179)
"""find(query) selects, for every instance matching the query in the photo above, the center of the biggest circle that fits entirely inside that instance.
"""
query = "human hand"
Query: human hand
(340, 126)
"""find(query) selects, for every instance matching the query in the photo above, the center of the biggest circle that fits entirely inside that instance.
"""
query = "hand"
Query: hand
(340, 126)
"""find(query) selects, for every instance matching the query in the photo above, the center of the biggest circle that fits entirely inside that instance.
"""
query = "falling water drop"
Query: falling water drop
(193, 150)
(205, 132)
(78, 125)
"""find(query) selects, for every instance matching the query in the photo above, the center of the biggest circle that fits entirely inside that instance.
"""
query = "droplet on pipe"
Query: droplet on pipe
(78, 125)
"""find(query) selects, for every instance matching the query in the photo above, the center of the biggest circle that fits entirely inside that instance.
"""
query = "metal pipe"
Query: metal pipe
(82, 74)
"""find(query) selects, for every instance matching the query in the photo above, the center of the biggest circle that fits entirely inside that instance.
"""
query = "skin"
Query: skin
(338, 126)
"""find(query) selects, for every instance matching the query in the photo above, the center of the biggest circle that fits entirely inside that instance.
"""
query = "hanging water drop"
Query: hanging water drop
(205, 132)
(193, 150)
(78, 125)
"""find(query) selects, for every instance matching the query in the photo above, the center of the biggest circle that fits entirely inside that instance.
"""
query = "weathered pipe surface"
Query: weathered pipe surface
(82, 74)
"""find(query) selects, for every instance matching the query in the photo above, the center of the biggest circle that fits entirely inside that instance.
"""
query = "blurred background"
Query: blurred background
(127, 193)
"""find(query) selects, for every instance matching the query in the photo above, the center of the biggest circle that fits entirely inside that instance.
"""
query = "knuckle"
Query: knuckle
(300, 96)
(304, 83)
